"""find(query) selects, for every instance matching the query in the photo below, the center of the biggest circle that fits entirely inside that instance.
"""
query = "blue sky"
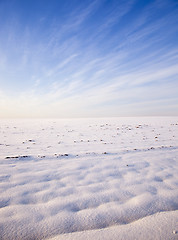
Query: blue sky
(86, 58)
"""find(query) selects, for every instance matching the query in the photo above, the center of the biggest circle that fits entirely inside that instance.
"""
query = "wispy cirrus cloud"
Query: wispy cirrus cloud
(95, 58)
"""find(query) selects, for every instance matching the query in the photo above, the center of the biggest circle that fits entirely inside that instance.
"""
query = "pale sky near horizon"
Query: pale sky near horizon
(88, 58)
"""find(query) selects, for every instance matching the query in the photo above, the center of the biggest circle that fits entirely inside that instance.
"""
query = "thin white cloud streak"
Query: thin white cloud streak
(76, 19)
(114, 15)
(61, 65)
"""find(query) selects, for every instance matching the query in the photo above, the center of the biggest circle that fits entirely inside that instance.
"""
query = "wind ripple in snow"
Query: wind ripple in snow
(90, 184)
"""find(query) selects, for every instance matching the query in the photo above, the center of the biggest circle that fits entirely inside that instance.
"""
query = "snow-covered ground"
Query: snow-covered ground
(111, 178)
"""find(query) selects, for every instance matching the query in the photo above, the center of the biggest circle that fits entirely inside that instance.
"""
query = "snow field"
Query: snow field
(59, 177)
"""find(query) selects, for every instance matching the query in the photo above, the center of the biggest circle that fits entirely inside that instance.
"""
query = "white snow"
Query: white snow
(157, 226)
(89, 178)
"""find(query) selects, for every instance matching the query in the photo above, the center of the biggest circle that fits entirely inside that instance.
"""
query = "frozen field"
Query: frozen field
(111, 178)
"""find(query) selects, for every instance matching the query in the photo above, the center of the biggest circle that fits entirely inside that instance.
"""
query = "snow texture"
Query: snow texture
(88, 176)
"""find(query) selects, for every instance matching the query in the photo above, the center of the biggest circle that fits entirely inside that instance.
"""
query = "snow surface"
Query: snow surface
(82, 178)
(157, 226)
